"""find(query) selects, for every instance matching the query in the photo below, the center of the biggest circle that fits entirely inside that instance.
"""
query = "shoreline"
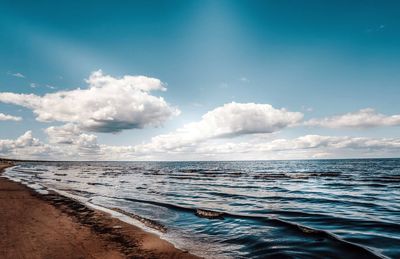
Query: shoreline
(56, 226)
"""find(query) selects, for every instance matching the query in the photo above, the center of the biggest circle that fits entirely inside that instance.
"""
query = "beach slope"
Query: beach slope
(53, 226)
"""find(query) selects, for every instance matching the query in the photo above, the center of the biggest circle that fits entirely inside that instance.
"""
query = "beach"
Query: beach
(52, 226)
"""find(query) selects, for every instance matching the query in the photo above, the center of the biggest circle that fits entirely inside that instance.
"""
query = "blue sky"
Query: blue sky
(315, 57)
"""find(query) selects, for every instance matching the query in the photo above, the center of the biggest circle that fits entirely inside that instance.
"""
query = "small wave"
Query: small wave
(147, 222)
(79, 192)
(296, 175)
(364, 252)
(101, 184)
(209, 214)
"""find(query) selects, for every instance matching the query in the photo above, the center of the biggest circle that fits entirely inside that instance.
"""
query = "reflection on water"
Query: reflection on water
(318, 208)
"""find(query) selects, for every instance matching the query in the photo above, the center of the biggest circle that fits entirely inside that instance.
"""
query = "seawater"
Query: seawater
(285, 209)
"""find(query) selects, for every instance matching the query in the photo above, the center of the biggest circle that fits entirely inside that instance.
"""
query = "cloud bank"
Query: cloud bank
(364, 118)
(85, 147)
(109, 104)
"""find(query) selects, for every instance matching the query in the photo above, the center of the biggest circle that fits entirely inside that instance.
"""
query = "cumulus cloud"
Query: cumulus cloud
(109, 104)
(24, 147)
(229, 120)
(26, 140)
(71, 141)
(70, 134)
(65, 143)
(364, 118)
(6, 117)
(63, 134)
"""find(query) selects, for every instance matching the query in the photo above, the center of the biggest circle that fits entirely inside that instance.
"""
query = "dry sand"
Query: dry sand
(53, 226)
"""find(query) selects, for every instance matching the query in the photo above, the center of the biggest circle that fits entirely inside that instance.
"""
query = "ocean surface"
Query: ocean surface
(285, 209)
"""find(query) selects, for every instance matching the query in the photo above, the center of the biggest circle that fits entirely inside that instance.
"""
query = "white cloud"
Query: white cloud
(17, 75)
(229, 120)
(26, 140)
(66, 142)
(330, 142)
(70, 134)
(33, 85)
(63, 145)
(24, 147)
(364, 118)
(108, 105)
(62, 134)
(71, 140)
(6, 117)
(304, 147)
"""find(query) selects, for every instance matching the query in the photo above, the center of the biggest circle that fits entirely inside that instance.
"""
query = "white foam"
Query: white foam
(34, 186)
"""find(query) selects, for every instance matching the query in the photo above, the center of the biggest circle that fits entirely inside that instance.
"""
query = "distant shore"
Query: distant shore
(54, 226)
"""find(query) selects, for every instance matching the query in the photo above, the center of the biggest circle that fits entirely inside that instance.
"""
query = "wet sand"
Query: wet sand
(53, 226)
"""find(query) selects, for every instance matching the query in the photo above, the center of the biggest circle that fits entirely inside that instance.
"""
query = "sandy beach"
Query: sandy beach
(53, 226)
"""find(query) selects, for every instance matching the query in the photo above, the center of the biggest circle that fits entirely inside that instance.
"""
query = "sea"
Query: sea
(281, 209)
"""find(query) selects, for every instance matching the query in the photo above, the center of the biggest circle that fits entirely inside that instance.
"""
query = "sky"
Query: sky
(199, 80)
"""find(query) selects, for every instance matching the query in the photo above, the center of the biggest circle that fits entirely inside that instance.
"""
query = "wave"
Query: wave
(362, 251)
(147, 222)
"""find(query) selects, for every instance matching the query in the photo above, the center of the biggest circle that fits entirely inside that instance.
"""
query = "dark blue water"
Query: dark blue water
(289, 209)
